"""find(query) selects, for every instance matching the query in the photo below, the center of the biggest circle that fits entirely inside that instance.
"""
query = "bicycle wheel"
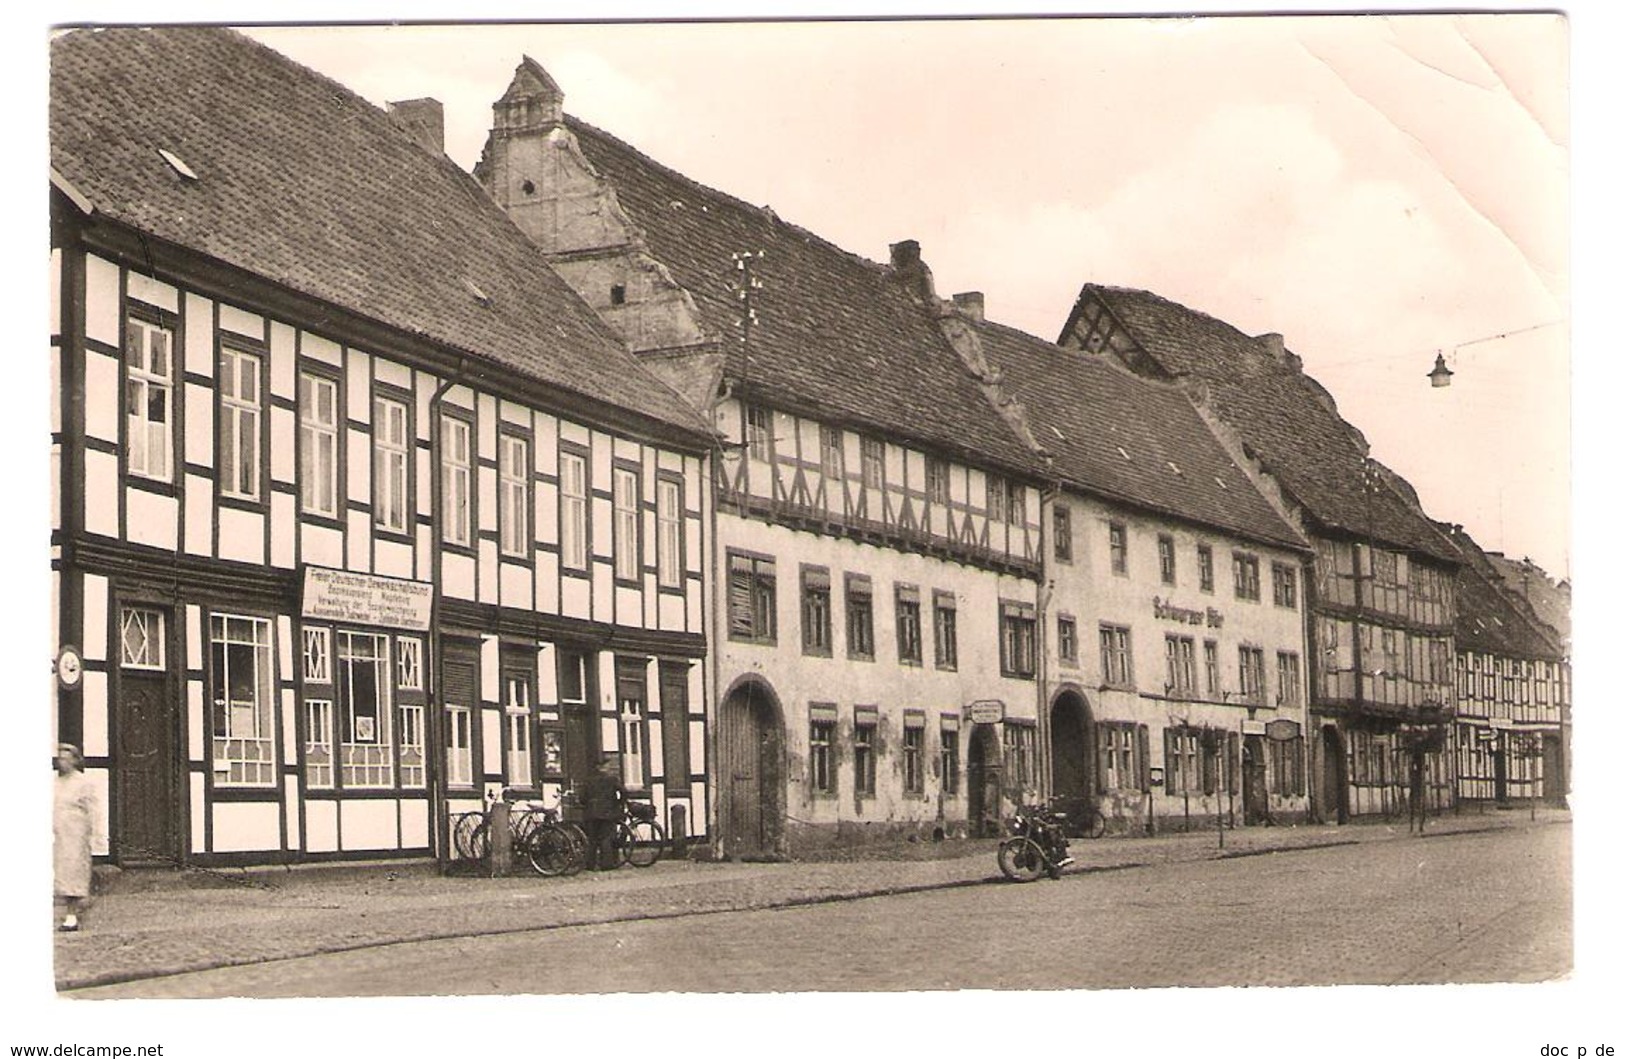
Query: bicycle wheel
(473, 836)
(643, 841)
(1020, 859)
(550, 852)
(1097, 824)
(578, 846)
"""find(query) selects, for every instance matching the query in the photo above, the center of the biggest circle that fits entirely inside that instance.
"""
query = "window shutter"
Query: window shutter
(1143, 756)
(1101, 756)
(1211, 761)
(1234, 764)
(740, 621)
(1170, 762)
(460, 688)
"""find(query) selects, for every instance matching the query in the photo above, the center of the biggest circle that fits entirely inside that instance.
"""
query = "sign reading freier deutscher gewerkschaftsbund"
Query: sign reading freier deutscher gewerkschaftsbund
(367, 599)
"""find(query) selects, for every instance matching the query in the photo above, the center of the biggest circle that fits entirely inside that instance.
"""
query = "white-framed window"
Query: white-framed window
(1118, 746)
(149, 398)
(459, 746)
(408, 663)
(141, 638)
(412, 762)
(244, 710)
(456, 498)
(1251, 667)
(831, 452)
(628, 553)
(573, 510)
(318, 668)
(631, 690)
(669, 532)
(517, 704)
(759, 432)
(391, 449)
(872, 453)
(239, 466)
(319, 743)
(367, 757)
(513, 494)
(318, 444)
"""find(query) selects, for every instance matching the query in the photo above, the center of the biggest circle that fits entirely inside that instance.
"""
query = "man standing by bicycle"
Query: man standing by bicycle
(601, 810)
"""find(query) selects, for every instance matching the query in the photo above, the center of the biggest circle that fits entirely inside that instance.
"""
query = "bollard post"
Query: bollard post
(501, 839)
(679, 830)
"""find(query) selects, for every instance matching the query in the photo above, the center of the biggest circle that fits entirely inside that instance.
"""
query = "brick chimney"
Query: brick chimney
(911, 270)
(971, 303)
(424, 120)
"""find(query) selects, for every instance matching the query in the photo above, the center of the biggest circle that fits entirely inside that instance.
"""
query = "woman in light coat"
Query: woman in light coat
(73, 822)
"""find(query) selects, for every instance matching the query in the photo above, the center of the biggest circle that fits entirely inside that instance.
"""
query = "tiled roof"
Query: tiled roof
(305, 183)
(1127, 438)
(838, 336)
(1285, 418)
(1490, 615)
(1550, 600)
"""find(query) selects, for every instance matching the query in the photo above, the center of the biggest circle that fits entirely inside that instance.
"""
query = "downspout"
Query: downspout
(436, 754)
(1046, 593)
(714, 648)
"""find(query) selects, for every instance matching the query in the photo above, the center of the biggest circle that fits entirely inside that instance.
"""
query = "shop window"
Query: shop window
(456, 495)
(391, 453)
(412, 760)
(1116, 656)
(815, 618)
(628, 541)
(752, 598)
(238, 469)
(946, 631)
(149, 400)
(319, 743)
(244, 726)
(573, 509)
(318, 444)
(821, 757)
(141, 638)
(513, 495)
(860, 618)
(913, 760)
(669, 532)
(459, 746)
(367, 757)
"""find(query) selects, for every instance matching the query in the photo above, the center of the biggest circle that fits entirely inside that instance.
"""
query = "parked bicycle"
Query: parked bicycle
(639, 838)
(1037, 845)
(551, 845)
(1083, 817)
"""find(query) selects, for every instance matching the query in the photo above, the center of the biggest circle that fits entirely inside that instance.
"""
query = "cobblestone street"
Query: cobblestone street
(1479, 899)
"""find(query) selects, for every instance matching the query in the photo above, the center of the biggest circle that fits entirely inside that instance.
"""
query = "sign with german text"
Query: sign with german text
(986, 711)
(366, 599)
(1282, 730)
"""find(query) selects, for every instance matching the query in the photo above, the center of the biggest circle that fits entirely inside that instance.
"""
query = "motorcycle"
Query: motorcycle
(1037, 845)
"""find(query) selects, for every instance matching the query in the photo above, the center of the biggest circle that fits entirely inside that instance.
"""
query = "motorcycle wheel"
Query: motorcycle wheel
(1021, 860)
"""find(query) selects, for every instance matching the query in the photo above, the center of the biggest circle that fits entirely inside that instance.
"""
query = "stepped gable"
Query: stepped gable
(838, 337)
(1284, 417)
(1083, 409)
(299, 180)
(1491, 616)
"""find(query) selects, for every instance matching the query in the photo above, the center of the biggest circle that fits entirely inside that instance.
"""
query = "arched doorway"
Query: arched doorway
(1071, 759)
(983, 771)
(750, 771)
(1334, 782)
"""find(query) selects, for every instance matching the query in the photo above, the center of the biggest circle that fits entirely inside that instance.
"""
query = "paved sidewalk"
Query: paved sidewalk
(165, 923)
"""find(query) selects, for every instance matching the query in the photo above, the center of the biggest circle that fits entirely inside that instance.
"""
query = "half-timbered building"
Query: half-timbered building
(1381, 598)
(1172, 617)
(362, 513)
(877, 537)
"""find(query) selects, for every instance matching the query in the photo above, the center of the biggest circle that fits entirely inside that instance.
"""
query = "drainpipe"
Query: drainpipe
(714, 648)
(1046, 591)
(434, 748)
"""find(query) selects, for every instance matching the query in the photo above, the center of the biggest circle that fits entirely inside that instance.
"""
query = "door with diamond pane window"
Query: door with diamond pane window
(145, 815)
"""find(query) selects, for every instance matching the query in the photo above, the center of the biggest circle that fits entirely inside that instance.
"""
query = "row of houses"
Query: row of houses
(383, 486)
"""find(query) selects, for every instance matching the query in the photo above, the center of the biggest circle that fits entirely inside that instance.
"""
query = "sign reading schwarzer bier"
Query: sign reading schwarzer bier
(367, 599)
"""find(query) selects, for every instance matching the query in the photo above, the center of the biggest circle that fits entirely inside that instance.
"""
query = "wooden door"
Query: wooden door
(1499, 759)
(741, 753)
(147, 814)
(1554, 785)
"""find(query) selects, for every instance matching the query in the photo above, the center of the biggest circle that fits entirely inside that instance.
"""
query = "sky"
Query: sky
(1376, 189)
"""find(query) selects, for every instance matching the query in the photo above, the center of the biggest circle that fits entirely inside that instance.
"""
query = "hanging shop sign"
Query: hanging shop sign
(1282, 730)
(367, 599)
(986, 711)
(1251, 727)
